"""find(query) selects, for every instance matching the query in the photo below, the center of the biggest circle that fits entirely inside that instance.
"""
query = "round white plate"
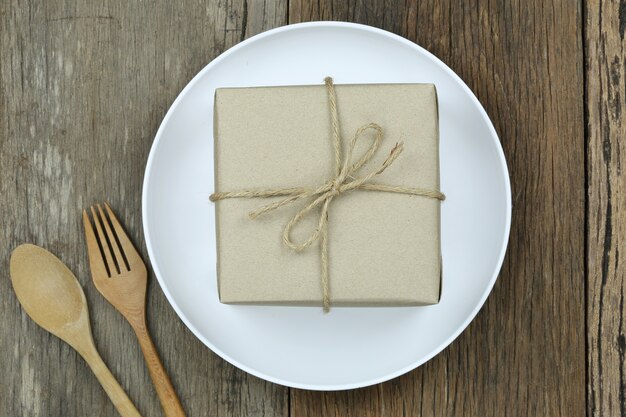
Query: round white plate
(300, 346)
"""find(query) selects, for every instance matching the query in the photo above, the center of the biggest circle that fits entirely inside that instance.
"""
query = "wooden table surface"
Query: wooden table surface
(85, 84)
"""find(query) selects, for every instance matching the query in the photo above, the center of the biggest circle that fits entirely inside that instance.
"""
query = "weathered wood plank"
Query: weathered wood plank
(525, 352)
(605, 67)
(84, 86)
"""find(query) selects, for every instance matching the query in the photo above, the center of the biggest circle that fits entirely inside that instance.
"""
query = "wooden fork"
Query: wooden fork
(120, 275)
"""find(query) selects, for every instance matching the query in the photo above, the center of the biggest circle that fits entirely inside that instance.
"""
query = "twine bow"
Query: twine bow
(344, 180)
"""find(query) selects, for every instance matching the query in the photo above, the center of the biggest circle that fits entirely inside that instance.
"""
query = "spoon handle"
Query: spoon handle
(117, 395)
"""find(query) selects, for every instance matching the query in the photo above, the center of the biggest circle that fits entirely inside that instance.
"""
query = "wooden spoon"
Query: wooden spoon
(51, 295)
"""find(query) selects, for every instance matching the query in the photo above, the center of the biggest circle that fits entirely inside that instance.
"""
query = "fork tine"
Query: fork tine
(103, 243)
(132, 256)
(96, 263)
(118, 256)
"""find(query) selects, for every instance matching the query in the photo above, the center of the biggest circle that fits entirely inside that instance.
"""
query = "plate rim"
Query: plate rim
(494, 137)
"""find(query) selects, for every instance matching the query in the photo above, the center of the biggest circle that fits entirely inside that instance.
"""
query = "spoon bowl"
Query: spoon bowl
(48, 291)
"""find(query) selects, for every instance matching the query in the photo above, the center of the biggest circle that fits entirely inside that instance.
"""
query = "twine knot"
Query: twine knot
(336, 187)
(345, 180)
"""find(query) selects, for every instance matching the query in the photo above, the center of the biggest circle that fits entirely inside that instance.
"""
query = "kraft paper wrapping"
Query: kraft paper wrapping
(384, 248)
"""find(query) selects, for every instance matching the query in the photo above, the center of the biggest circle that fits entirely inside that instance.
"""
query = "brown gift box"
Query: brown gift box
(383, 248)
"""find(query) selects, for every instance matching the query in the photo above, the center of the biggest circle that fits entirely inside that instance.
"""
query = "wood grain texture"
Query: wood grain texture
(83, 88)
(524, 355)
(81, 78)
(605, 67)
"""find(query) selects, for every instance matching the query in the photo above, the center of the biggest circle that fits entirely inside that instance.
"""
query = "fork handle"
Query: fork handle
(167, 396)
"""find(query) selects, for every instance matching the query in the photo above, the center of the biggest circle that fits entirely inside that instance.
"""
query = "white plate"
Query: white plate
(300, 346)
